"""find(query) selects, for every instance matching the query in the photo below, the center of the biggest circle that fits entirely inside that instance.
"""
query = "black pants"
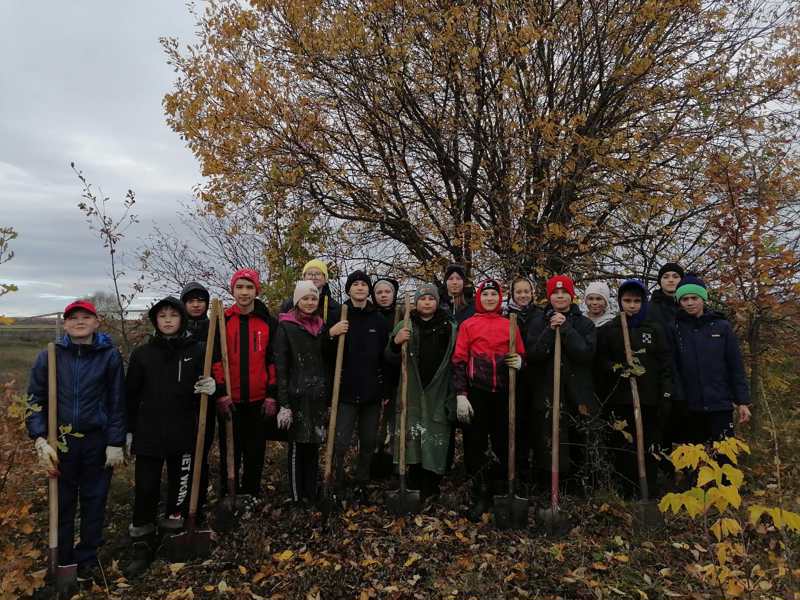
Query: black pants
(427, 482)
(211, 418)
(84, 478)
(148, 487)
(625, 461)
(249, 444)
(488, 430)
(303, 463)
(367, 416)
(523, 425)
(708, 427)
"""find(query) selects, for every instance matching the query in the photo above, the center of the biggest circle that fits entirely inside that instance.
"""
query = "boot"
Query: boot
(481, 503)
(143, 549)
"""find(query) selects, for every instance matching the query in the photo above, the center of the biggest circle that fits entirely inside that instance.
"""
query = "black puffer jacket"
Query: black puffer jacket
(663, 310)
(363, 365)
(458, 314)
(197, 327)
(578, 344)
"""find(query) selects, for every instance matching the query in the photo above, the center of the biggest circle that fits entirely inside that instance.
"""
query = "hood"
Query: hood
(173, 302)
(199, 290)
(394, 283)
(706, 317)
(479, 305)
(259, 309)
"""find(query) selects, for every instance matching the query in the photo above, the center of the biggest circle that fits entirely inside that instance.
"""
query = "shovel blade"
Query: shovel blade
(187, 545)
(510, 512)
(554, 522)
(404, 502)
(647, 516)
(66, 579)
(226, 515)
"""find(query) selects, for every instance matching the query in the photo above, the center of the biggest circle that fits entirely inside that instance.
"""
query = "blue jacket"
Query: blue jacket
(709, 373)
(90, 389)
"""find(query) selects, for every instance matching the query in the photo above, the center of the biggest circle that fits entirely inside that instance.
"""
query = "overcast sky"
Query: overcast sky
(83, 81)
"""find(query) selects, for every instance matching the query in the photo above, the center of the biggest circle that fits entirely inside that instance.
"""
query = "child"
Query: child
(710, 377)
(302, 388)
(362, 387)
(578, 342)
(649, 347)
(597, 303)
(91, 400)
(165, 376)
(456, 298)
(249, 330)
(384, 297)
(316, 271)
(431, 401)
(481, 362)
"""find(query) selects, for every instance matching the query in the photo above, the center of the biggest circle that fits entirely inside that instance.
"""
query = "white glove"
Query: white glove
(284, 418)
(464, 410)
(513, 361)
(114, 456)
(48, 457)
(128, 443)
(205, 385)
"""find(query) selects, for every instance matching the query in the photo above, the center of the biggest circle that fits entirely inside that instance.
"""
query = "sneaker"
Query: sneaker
(87, 572)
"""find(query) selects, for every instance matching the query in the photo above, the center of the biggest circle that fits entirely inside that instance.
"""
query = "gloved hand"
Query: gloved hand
(464, 410)
(128, 443)
(513, 361)
(48, 457)
(224, 404)
(114, 456)
(284, 418)
(205, 385)
(270, 407)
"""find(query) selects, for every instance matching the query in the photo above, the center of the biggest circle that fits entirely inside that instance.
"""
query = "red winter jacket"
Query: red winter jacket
(249, 340)
(481, 347)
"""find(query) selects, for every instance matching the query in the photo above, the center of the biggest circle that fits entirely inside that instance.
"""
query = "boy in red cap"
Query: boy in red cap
(249, 333)
(91, 399)
(578, 343)
(481, 363)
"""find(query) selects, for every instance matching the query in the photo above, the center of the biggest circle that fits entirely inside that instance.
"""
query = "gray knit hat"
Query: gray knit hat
(426, 289)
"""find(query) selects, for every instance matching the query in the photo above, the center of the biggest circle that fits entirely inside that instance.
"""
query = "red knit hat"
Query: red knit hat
(560, 282)
(250, 274)
(80, 305)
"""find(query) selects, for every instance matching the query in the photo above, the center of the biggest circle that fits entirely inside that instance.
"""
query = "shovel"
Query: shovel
(192, 543)
(227, 508)
(404, 501)
(511, 511)
(554, 522)
(646, 515)
(326, 502)
(65, 576)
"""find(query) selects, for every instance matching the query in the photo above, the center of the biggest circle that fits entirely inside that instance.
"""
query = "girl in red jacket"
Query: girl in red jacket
(481, 363)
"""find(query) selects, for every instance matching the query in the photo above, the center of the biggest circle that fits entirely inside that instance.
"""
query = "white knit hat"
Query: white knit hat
(601, 289)
(304, 288)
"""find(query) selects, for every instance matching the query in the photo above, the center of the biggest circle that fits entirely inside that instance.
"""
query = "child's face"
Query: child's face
(455, 285)
(669, 282)
(384, 294)
(244, 292)
(561, 300)
(308, 304)
(692, 304)
(596, 304)
(80, 325)
(631, 303)
(426, 306)
(359, 291)
(522, 293)
(196, 307)
(317, 276)
(168, 320)
(490, 299)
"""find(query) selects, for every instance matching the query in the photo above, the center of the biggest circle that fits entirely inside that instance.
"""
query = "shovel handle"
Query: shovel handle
(404, 390)
(337, 380)
(637, 410)
(554, 458)
(230, 462)
(512, 405)
(52, 439)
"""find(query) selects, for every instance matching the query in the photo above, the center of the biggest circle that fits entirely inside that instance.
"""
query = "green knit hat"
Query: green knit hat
(691, 284)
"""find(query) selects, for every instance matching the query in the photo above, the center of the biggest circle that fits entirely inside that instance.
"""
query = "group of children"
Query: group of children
(690, 376)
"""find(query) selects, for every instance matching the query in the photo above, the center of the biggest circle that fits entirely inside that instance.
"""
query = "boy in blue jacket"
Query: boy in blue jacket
(710, 378)
(90, 399)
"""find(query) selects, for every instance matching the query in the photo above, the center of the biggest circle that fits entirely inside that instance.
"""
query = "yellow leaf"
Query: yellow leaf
(705, 476)
(284, 556)
(731, 447)
(412, 558)
(175, 567)
(242, 570)
(223, 587)
(734, 475)
(689, 455)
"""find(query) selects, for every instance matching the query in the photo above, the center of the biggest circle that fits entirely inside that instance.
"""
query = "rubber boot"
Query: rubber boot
(143, 550)
(481, 503)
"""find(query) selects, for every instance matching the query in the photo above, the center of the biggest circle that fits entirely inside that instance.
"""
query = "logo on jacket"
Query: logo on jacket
(187, 359)
(373, 331)
(647, 338)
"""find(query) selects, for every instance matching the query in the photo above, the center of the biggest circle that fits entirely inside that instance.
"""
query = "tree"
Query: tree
(7, 235)
(518, 136)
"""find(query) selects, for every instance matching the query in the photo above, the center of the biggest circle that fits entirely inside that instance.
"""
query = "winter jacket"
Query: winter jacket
(709, 373)
(363, 364)
(663, 310)
(430, 396)
(89, 386)
(197, 327)
(459, 314)
(249, 338)
(302, 380)
(649, 346)
(162, 405)
(578, 344)
(329, 309)
(524, 315)
(481, 347)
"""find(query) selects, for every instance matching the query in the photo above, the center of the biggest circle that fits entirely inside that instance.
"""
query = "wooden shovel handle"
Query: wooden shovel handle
(554, 464)
(512, 404)
(337, 379)
(637, 410)
(404, 387)
(52, 439)
(230, 462)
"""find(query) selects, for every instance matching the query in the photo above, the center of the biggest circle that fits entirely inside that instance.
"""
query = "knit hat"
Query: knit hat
(80, 305)
(250, 274)
(488, 284)
(669, 267)
(560, 282)
(426, 289)
(304, 288)
(691, 284)
(357, 275)
(194, 290)
(599, 288)
(632, 285)
(316, 263)
(389, 281)
(455, 268)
